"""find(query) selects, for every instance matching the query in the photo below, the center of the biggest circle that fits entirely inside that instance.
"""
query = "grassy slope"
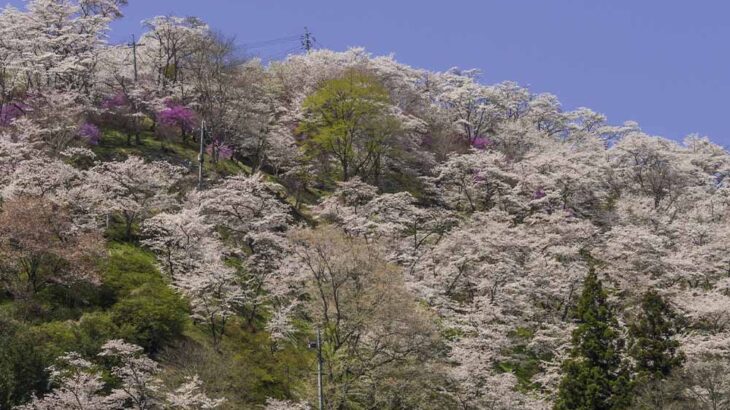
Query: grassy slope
(113, 146)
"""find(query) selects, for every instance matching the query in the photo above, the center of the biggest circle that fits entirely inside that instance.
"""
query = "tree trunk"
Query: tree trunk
(128, 227)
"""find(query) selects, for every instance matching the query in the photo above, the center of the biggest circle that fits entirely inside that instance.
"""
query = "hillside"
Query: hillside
(456, 245)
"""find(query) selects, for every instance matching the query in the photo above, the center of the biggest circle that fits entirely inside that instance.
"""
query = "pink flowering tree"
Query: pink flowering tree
(90, 133)
(177, 116)
(11, 111)
(482, 143)
(218, 150)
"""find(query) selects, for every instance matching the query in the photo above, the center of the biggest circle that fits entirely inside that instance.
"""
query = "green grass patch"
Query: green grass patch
(521, 361)
(114, 146)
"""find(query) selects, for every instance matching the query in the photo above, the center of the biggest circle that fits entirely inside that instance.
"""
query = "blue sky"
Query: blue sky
(665, 64)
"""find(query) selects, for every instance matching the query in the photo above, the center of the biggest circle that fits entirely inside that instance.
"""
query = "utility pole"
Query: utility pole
(134, 46)
(308, 40)
(201, 158)
(319, 370)
(318, 345)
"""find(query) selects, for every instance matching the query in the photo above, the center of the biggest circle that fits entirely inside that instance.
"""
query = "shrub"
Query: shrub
(151, 317)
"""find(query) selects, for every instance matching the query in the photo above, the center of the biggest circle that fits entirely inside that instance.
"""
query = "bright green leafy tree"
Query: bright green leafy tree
(348, 121)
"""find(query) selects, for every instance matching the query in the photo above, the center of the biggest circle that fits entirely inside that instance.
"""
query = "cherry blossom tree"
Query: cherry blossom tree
(134, 370)
(54, 44)
(190, 396)
(476, 181)
(243, 205)
(133, 188)
(56, 116)
(193, 257)
(392, 219)
(467, 102)
(81, 385)
(453, 262)
(169, 41)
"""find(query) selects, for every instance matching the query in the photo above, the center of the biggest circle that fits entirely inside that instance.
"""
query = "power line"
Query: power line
(268, 43)
(283, 54)
(307, 43)
(319, 44)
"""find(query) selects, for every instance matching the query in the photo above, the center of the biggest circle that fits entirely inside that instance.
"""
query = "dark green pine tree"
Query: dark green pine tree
(653, 345)
(595, 376)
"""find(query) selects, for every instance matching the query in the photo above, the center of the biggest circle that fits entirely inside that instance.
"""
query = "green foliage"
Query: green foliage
(62, 302)
(452, 333)
(348, 122)
(523, 362)
(595, 376)
(653, 343)
(133, 302)
(151, 317)
(148, 312)
(27, 350)
(249, 368)
(128, 268)
(92, 330)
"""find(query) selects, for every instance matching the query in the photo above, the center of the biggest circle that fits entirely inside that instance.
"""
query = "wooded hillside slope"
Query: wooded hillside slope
(458, 245)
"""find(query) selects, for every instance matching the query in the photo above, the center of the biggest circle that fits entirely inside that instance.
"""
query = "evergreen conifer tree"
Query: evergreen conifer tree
(656, 354)
(595, 376)
(653, 345)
